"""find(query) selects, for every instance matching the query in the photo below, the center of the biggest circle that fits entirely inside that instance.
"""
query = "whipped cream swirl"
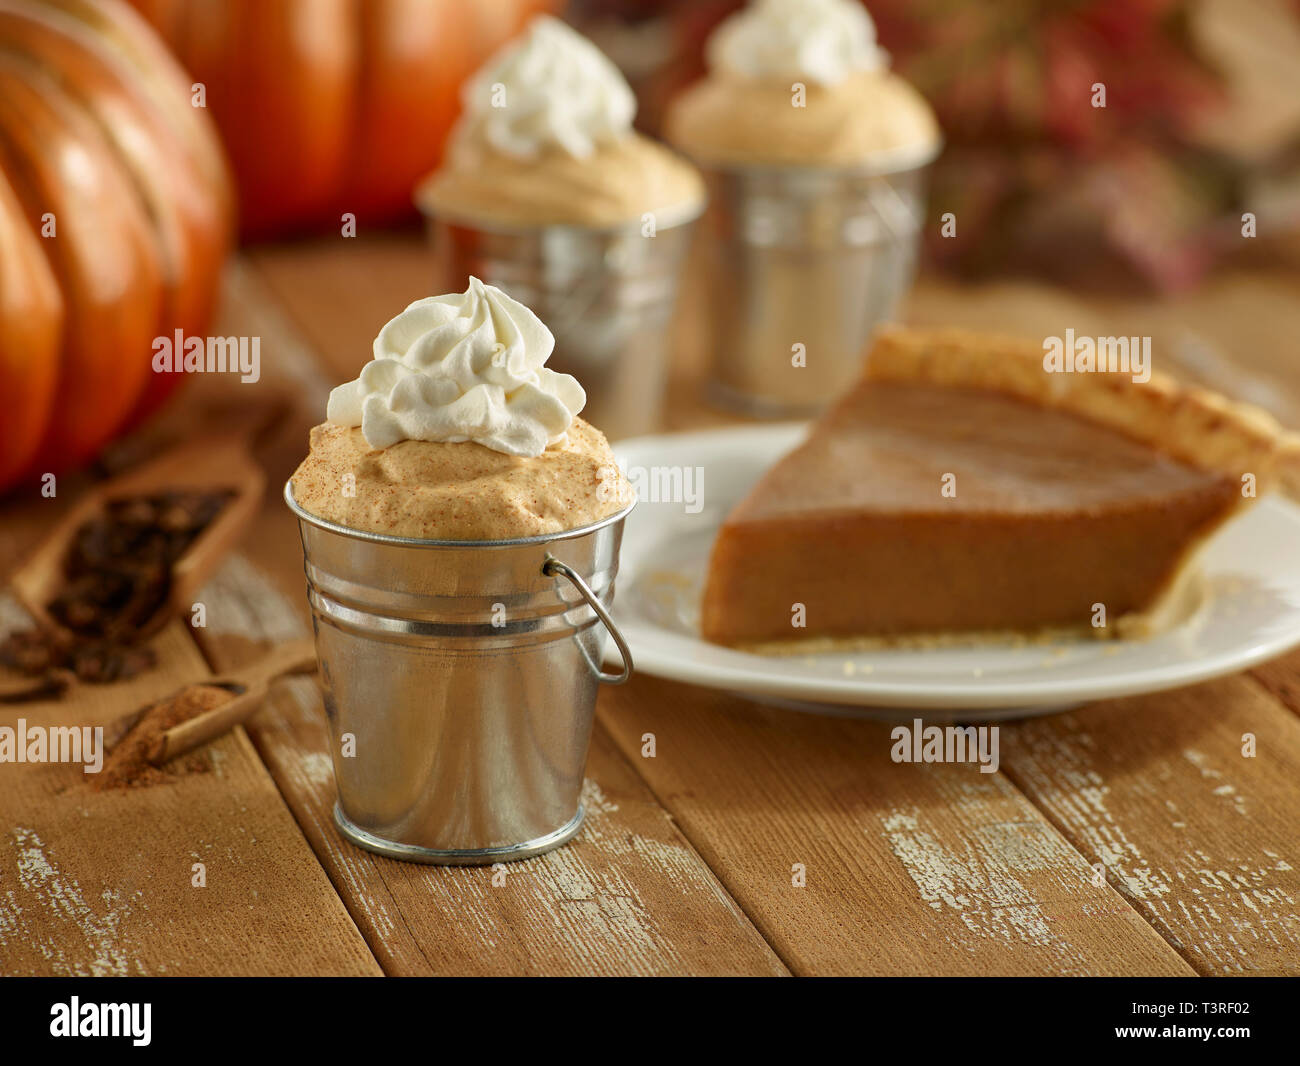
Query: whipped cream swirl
(463, 367)
(820, 41)
(551, 89)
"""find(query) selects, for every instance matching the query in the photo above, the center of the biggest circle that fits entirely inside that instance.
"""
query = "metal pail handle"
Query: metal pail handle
(554, 566)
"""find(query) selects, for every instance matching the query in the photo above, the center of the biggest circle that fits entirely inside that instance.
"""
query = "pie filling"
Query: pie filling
(914, 509)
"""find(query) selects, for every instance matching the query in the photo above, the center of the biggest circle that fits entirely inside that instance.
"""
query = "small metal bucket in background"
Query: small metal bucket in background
(803, 256)
(606, 294)
(460, 684)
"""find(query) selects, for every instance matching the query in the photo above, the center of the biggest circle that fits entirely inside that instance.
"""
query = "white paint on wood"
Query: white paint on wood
(979, 884)
(242, 603)
(317, 767)
(47, 899)
(595, 904)
(1222, 912)
(12, 615)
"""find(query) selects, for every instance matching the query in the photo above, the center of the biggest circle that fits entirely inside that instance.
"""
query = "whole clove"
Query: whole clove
(117, 576)
(118, 569)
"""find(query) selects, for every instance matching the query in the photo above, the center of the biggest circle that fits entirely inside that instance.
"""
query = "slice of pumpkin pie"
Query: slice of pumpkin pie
(961, 489)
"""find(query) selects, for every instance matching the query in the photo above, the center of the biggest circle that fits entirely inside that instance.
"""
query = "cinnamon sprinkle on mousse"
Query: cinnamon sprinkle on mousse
(459, 491)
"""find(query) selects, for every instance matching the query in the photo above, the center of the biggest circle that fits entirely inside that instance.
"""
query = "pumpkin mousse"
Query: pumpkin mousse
(802, 83)
(546, 138)
(456, 430)
(961, 489)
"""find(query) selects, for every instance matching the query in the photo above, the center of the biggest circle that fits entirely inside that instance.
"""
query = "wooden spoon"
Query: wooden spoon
(295, 657)
(251, 684)
(208, 463)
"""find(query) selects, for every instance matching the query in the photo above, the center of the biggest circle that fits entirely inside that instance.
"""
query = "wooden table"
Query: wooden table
(755, 841)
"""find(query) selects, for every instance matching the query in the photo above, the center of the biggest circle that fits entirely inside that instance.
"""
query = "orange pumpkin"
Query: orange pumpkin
(333, 106)
(115, 217)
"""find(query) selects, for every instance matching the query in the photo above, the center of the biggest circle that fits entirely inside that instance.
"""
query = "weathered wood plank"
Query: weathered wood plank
(911, 869)
(100, 883)
(1198, 836)
(1281, 678)
(627, 896)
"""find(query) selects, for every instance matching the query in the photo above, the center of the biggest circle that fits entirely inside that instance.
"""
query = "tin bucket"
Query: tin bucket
(606, 294)
(802, 265)
(460, 684)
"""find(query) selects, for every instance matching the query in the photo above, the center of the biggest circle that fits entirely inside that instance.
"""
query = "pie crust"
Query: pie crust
(777, 548)
(1199, 427)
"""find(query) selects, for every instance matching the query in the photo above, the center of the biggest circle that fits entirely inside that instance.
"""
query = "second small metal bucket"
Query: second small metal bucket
(802, 264)
(606, 293)
(460, 684)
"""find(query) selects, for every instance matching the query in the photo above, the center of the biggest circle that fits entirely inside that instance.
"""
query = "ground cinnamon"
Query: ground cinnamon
(127, 764)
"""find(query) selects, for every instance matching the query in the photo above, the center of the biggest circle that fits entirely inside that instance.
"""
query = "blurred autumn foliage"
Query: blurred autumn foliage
(1039, 178)
(1039, 174)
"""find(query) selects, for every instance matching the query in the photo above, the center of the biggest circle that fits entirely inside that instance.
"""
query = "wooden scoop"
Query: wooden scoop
(209, 463)
(251, 684)
(295, 657)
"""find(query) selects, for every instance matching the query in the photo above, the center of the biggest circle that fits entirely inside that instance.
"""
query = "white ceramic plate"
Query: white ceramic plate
(1251, 612)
